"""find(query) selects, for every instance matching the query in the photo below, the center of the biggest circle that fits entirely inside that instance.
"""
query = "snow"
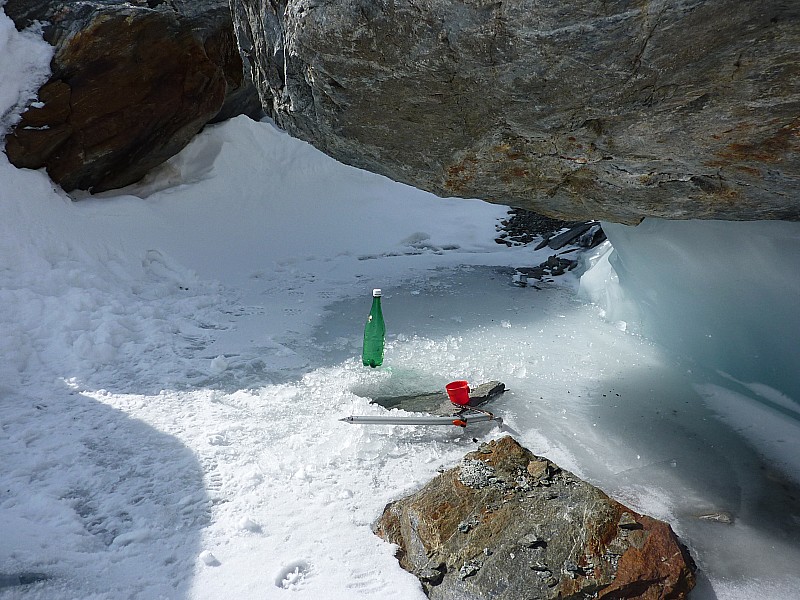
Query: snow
(25, 65)
(177, 356)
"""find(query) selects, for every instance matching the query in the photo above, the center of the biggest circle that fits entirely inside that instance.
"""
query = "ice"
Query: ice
(723, 294)
(247, 524)
(219, 364)
(723, 298)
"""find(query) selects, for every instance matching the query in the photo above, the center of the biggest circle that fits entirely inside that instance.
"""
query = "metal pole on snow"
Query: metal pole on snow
(458, 420)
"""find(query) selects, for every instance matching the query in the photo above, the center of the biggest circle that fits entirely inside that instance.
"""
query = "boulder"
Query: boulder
(578, 110)
(506, 524)
(131, 84)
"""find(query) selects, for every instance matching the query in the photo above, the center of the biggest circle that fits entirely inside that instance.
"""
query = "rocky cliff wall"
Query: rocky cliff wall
(616, 110)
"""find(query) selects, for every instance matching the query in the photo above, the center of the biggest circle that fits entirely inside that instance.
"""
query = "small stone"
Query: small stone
(466, 526)
(718, 517)
(627, 521)
(573, 570)
(612, 559)
(469, 569)
(533, 540)
(537, 468)
(570, 566)
(523, 484)
(433, 575)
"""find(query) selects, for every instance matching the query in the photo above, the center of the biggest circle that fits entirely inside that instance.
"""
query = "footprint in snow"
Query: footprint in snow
(366, 582)
(293, 575)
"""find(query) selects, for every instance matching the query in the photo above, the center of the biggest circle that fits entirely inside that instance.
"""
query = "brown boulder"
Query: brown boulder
(130, 87)
(506, 524)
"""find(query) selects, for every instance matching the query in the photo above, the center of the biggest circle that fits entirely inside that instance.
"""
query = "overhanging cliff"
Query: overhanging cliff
(616, 110)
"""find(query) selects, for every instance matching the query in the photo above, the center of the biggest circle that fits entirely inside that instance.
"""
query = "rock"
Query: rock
(552, 267)
(575, 235)
(565, 539)
(717, 517)
(131, 84)
(438, 403)
(522, 227)
(578, 110)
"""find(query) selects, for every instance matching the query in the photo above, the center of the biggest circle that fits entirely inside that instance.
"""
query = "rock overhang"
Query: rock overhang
(614, 111)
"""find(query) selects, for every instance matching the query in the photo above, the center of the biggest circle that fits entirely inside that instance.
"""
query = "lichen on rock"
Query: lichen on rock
(485, 529)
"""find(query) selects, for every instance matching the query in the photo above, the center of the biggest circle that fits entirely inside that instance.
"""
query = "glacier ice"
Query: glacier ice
(725, 295)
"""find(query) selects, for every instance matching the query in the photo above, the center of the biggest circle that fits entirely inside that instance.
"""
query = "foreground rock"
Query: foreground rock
(132, 83)
(506, 524)
(580, 110)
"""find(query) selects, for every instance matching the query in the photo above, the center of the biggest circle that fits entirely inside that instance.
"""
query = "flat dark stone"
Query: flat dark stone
(17, 579)
(438, 403)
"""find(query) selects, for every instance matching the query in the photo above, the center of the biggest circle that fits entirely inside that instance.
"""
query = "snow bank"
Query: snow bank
(24, 66)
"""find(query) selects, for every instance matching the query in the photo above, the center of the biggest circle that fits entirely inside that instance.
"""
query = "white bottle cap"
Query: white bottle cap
(376, 293)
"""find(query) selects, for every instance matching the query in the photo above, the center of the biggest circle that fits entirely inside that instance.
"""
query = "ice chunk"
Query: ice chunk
(724, 294)
(219, 365)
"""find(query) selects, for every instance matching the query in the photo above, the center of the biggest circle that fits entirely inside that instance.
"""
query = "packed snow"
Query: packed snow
(176, 357)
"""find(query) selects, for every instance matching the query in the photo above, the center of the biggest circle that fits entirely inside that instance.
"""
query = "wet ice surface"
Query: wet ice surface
(271, 493)
(606, 404)
(245, 484)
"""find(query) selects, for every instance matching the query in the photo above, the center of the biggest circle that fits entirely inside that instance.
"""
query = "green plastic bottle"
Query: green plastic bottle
(374, 334)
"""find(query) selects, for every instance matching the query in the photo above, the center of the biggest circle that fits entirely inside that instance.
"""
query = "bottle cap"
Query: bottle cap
(376, 293)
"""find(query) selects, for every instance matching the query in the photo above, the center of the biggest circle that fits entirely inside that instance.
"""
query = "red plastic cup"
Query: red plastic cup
(458, 391)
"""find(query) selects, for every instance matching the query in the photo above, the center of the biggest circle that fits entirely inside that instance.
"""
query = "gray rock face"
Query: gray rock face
(580, 110)
(506, 524)
(131, 84)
